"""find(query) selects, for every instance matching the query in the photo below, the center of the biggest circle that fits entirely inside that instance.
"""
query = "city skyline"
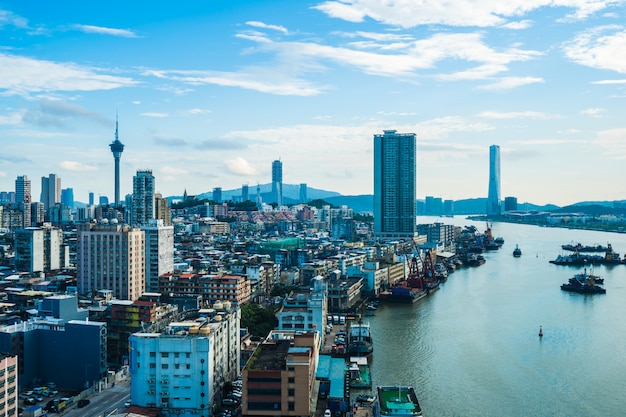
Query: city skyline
(209, 94)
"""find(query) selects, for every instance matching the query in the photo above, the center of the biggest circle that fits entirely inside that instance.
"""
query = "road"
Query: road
(104, 403)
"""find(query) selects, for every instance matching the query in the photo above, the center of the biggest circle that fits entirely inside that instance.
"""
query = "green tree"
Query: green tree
(258, 320)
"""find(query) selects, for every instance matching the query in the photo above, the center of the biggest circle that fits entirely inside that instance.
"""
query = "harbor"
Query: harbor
(473, 349)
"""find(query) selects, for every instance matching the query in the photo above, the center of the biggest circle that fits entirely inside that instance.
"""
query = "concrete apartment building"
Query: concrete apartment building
(111, 256)
(305, 311)
(8, 385)
(279, 378)
(40, 249)
(159, 255)
(182, 371)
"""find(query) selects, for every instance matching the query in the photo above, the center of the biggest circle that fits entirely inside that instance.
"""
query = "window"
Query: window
(164, 366)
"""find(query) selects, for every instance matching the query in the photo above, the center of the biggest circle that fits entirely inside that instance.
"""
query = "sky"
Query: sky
(208, 93)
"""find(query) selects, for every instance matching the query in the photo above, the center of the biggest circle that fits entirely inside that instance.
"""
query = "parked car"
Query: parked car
(127, 404)
(327, 413)
(82, 403)
(229, 401)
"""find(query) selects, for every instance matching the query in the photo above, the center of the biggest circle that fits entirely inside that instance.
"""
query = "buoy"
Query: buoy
(540, 332)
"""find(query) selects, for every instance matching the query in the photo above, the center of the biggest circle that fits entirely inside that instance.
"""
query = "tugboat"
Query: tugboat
(360, 340)
(584, 284)
(517, 252)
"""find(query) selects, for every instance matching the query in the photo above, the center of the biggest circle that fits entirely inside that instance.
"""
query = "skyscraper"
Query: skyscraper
(142, 210)
(23, 198)
(493, 198)
(245, 192)
(50, 191)
(159, 252)
(67, 197)
(303, 196)
(394, 184)
(116, 149)
(217, 194)
(277, 182)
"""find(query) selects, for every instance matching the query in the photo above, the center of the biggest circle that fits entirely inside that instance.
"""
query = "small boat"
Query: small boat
(517, 252)
(540, 332)
(360, 339)
(398, 401)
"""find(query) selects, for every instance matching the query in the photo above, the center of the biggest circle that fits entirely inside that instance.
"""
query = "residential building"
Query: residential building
(37, 213)
(279, 379)
(111, 256)
(159, 257)
(277, 182)
(394, 184)
(493, 198)
(50, 190)
(23, 198)
(125, 317)
(162, 209)
(142, 210)
(40, 249)
(245, 192)
(184, 369)
(306, 311)
(8, 385)
(344, 295)
(232, 288)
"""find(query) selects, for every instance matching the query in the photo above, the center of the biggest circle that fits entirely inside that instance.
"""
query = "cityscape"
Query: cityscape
(152, 292)
(245, 236)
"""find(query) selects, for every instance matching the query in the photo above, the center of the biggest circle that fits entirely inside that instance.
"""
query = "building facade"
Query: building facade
(111, 257)
(142, 210)
(493, 198)
(394, 184)
(23, 198)
(50, 190)
(159, 252)
(184, 369)
(8, 385)
(40, 249)
(277, 182)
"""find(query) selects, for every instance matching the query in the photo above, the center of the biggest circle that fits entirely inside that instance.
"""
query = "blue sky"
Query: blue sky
(209, 93)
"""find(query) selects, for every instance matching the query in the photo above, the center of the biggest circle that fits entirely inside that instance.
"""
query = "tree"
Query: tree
(258, 320)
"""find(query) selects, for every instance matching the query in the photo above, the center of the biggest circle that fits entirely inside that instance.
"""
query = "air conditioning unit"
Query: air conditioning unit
(151, 392)
(151, 381)
(165, 381)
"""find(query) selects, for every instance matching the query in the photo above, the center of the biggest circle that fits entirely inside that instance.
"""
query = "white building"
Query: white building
(40, 249)
(159, 252)
(184, 369)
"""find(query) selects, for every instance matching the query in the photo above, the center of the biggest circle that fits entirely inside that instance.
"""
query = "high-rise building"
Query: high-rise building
(493, 198)
(50, 191)
(245, 192)
(117, 148)
(303, 192)
(91, 198)
(40, 249)
(394, 184)
(277, 182)
(159, 252)
(67, 197)
(23, 198)
(217, 194)
(142, 210)
(37, 213)
(510, 203)
(111, 256)
(162, 209)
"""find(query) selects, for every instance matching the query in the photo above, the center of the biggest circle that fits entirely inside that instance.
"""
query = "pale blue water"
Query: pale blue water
(472, 348)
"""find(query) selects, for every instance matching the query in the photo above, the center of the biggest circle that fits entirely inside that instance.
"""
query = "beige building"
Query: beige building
(8, 385)
(111, 257)
(279, 378)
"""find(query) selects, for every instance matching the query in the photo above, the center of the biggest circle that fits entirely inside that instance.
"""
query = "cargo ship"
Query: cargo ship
(398, 401)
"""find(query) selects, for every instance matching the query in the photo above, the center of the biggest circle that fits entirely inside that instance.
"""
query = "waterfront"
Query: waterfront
(472, 348)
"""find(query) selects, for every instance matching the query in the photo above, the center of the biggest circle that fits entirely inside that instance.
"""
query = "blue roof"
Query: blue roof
(323, 367)
(337, 375)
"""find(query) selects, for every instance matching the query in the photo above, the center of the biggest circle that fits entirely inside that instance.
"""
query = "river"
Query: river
(472, 348)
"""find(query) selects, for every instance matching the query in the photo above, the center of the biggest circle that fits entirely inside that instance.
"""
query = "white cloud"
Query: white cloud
(22, 76)
(76, 166)
(168, 170)
(239, 166)
(10, 18)
(125, 33)
(609, 82)
(522, 24)
(518, 115)
(593, 112)
(411, 13)
(196, 112)
(266, 26)
(250, 81)
(602, 47)
(155, 114)
(508, 83)
(11, 118)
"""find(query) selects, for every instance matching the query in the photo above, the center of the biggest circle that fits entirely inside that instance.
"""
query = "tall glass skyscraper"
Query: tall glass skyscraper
(493, 198)
(277, 182)
(395, 184)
